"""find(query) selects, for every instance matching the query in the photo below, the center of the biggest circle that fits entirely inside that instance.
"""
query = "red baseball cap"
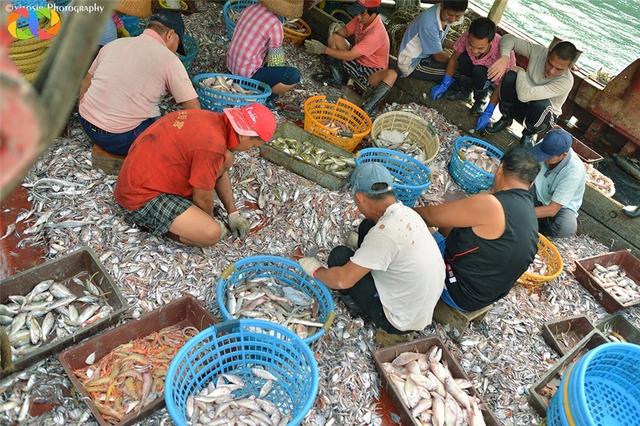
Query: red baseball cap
(370, 4)
(252, 120)
(361, 5)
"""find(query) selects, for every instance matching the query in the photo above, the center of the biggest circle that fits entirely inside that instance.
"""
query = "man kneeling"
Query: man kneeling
(367, 61)
(396, 275)
(167, 181)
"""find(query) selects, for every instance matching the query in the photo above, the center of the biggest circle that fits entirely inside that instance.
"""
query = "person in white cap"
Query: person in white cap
(167, 181)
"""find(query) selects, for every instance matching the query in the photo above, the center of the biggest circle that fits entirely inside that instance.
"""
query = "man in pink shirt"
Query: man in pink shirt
(120, 94)
(474, 52)
(367, 61)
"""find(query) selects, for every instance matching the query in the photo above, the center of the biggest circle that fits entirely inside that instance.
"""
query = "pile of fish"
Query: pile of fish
(599, 181)
(400, 141)
(132, 375)
(267, 299)
(295, 25)
(538, 266)
(614, 280)
(434, 396)
(226, 84)
(51, 311)
(479, 156)
(217, 405)
(309, 153)
(335, 126)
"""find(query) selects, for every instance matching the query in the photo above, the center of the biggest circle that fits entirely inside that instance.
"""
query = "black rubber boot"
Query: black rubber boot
(479, 101)
(504, 122)
(458, 94)
(378, 94)
(334, 77)
(529, 134)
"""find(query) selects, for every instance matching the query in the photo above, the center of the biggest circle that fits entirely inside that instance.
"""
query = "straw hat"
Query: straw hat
(287, 8)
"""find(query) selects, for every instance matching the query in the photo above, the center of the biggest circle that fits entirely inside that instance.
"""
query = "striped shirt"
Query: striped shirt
(257, 31)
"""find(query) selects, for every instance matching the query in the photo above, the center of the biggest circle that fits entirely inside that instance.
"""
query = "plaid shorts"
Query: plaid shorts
(159, 213)
(358, 71)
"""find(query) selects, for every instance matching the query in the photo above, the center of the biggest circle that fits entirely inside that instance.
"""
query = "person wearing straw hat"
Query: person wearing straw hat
(167, 181)
(367, 61)
(120, 94)
(559, 187)
(395, 277)
(256, 49)
(491, 237)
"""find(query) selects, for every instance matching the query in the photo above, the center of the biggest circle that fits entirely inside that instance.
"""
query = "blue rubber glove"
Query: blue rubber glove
(439, 90)
(485, 117)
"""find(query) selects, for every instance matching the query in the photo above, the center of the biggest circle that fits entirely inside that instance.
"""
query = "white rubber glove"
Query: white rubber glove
(310, 265)
(223, 230)
(335, 26)
(239, 225)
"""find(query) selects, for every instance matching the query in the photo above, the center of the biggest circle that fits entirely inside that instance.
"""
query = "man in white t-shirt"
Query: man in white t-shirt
(396, 275)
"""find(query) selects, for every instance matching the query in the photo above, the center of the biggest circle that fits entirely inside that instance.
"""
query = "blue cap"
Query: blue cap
(555, 142)
(172, 20)
(367, 175)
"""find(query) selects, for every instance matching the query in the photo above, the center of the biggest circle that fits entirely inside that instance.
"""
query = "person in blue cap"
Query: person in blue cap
(395, 277)
(559, 186)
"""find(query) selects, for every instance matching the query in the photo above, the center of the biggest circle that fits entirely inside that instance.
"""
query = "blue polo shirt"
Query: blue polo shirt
(563, 184)
(423, 38)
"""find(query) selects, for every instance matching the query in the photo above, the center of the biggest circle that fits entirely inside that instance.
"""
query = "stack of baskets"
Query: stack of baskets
(419, 131)
(297, 37)
(411, 176)
(190, 51)
(217, 100)
(28, 55)
(282, 270)
(471, 178)
(231, 13)
(551, 256)
(318, 111)
(602, 388)
(237, 347)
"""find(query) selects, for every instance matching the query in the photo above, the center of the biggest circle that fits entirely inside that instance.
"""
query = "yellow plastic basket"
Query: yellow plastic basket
(420, 132)
(551, 256)
(318, 112)
(297, 37)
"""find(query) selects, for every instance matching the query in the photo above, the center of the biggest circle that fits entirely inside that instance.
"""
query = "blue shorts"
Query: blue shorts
(277, 75)
(446, 298)
(115, 143)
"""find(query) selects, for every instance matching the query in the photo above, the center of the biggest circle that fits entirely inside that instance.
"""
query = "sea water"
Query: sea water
(607, 31)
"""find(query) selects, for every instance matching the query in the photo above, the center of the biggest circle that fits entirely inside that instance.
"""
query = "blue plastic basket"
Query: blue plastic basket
(411, 176)
(236, 6)
(471, 178)
(133, 24)
(284, 271)
(603, 388)
(216, 100)
(190, 51)
(234, 347)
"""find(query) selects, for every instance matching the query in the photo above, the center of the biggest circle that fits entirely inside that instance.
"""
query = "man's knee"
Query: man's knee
(291, 76)
(564, 224)
(479, 76)
(339, 256)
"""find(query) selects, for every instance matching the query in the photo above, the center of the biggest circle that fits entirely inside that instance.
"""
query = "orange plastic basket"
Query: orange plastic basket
(297, 37)
(551, 256)
(318, 112)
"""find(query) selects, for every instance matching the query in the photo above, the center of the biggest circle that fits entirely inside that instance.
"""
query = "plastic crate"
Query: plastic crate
(231, 7)
(603, 388)
(217, 100)
(190, 51)
(411, 176)
(551, 256)
(616, 326)
(235, 347)
(420, 132)
(318, 111)
(471, 178)
(284, 271)
(578, 327)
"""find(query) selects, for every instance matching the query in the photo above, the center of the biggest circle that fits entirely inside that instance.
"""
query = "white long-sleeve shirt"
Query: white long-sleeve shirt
(532, 85)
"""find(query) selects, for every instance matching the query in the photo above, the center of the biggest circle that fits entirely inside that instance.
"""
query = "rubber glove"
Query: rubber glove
(485, 117)
(314, 47)
(335, 26)
(439, 90)
(239, 225)
(310, 265)
(223, 230)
